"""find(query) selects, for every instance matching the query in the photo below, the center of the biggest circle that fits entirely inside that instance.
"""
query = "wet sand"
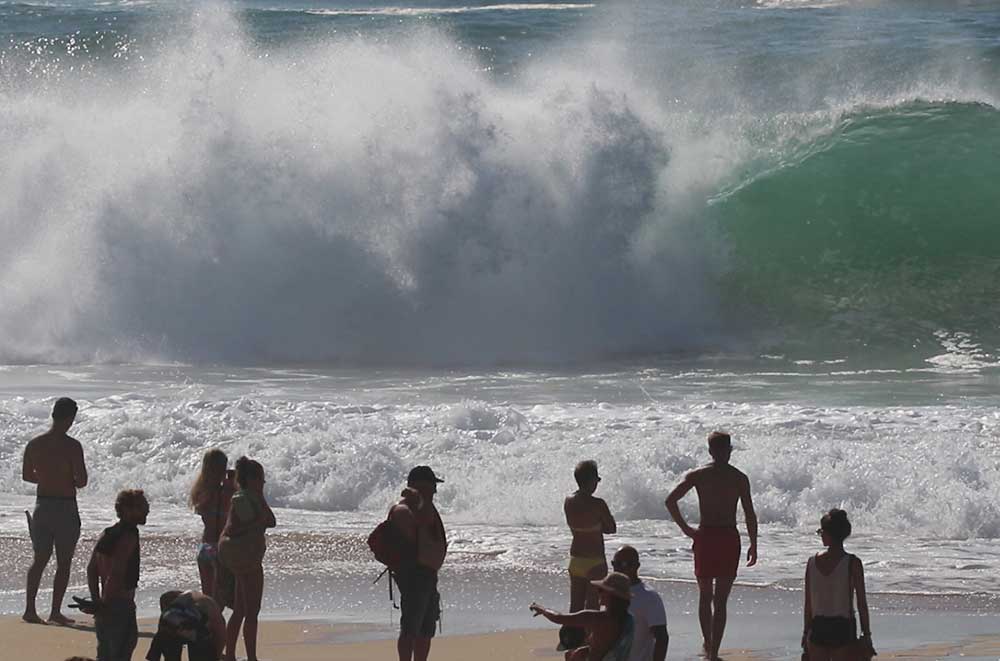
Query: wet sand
(317, 640)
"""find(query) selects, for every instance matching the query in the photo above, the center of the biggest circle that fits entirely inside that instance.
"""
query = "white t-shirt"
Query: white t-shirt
(647, 611)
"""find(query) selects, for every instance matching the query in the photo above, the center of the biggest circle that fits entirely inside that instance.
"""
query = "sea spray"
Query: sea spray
(220, 205)
(215, 200)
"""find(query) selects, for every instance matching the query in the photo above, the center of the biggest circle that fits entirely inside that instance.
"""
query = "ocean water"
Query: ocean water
(349, 237)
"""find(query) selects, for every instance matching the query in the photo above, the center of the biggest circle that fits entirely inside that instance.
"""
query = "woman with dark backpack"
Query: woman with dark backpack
(833, 578)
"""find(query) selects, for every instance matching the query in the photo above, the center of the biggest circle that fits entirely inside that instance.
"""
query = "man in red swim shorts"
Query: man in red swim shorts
(716, 540)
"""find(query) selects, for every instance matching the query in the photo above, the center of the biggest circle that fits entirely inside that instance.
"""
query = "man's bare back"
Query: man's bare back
(719, 488)
(54, 462)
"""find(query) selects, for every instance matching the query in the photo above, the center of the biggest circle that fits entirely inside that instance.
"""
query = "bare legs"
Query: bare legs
(64, 562)
(246, 609)
(413, 649)
(712, 600)
(35, 571)
(206, 572)
(581, 593)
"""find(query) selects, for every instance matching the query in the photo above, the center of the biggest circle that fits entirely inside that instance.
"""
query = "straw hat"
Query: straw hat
(615, 583)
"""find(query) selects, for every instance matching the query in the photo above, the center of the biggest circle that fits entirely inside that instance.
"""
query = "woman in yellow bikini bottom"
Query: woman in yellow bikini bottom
(584, 567)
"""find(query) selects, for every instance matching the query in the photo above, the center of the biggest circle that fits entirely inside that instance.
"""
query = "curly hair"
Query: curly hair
(128, 499)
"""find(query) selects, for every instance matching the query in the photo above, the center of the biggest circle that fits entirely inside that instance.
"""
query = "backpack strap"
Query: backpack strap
(388, 570)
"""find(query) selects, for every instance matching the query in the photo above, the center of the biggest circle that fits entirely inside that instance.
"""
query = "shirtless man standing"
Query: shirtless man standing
(716, 540)
(54, 462)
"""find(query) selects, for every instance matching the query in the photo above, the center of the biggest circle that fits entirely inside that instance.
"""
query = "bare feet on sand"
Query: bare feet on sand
(60, 619)
(32, 618)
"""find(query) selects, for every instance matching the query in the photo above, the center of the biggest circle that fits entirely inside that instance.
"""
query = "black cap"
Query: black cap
(422, 474)
(64, 408)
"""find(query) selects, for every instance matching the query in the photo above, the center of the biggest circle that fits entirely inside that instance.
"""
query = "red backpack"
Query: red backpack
(387, 545)
(389, 548)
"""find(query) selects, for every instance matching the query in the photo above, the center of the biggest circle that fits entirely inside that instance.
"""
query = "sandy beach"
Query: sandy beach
(307, 640)
(314, 640)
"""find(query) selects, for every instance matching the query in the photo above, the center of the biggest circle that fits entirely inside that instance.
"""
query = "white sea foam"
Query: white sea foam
(922, 483)
(431, 11)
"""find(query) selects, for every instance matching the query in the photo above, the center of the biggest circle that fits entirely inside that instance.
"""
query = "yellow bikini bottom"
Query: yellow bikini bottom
(584, 567)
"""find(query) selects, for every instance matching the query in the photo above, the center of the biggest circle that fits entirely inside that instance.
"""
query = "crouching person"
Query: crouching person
(113, 575)
(189, 619)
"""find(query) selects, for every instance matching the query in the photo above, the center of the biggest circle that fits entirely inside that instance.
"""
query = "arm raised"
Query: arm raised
(583, 619)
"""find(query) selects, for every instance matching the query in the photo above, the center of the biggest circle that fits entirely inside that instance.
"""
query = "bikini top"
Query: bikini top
(596, 528)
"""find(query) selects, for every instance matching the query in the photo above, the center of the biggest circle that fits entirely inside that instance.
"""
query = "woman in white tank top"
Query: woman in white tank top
(831, 578)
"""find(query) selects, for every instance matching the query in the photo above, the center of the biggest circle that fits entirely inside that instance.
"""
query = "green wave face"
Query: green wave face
(883, 233)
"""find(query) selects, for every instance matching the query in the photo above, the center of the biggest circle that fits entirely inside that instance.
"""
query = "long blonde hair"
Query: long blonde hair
(213, 469)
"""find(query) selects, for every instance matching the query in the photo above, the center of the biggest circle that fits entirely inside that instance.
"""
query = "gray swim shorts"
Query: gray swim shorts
(55, 523)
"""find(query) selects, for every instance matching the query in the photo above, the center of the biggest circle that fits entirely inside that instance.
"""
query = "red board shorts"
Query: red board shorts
(716, 552)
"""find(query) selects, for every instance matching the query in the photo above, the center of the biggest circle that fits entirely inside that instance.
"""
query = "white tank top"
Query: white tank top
(830, 596)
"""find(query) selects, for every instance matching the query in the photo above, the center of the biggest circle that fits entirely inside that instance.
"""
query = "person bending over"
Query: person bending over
(189, 619)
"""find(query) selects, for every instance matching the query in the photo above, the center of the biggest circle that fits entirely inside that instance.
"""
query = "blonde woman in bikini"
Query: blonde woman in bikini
(589, 520)
(210, 498)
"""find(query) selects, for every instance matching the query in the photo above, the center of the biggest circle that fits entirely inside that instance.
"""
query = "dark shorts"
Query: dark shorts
(716, 552)
(117, 632)
(55, 523)
(419, 602)
(832, 631)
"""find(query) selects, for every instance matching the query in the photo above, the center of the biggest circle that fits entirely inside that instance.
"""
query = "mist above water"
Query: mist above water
(390, 201)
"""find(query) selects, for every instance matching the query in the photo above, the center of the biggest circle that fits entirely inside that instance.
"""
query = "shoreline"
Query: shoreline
(316, 640)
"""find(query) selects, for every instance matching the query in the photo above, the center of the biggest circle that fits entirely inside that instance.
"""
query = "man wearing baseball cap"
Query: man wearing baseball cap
(423, 530)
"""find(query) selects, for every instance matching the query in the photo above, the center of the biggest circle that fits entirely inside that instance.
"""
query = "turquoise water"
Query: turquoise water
(480, 183)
